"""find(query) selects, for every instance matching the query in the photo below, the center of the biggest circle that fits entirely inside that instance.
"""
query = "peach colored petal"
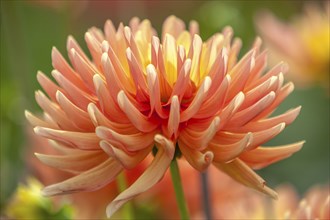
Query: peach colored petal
(72, 44)
(174, 26)
(264, 156)
(149, 178)
(280, 96)
(35, 121)
(139, 120)
(75, 163)
(183, 80)
(174, 117)
(244, 116)
(263, 136)
(199, 139)
(48, 86)
(131, 142)
(215, 102)
(229, 111)
(287, 118)
(95, 48)
(197, 101)
(243, 174)
(89, 180)
(57, 114)
(81, 140)
(79, 117)
(75, 94)
(197, 159)
(60, 64)
(127, 160)
(85, 69)
(108, 105)
(227, 152)
(154, 92)
(99, 119)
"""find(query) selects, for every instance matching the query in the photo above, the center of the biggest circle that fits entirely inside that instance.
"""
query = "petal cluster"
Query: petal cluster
(173, 93)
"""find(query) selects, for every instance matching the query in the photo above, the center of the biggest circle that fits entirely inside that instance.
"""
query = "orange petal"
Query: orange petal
(228, 152)
(199, 139)
(76, 95)
(57, 114)
(264, 156)
(244, 116)
(81, 140)
(48, 86)
(75, 163)
(150, 177)
(89, 180)
(131, 142)
(174, 117)
(127, 160)
(200, 161)
(139, 120)
(197, 101)
(243, 174)
(99, 119)
(79, 117)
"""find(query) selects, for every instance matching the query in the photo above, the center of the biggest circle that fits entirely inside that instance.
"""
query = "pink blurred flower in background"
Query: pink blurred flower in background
(314, 205)
(304, 43)
(142, 93)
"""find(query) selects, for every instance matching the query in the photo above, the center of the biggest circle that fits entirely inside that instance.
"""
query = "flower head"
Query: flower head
(174, 93)
(304, 43)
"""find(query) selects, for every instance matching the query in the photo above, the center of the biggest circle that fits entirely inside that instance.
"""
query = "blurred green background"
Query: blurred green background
(29, 29)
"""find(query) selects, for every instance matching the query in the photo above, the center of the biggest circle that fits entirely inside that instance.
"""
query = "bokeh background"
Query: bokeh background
(29, 29)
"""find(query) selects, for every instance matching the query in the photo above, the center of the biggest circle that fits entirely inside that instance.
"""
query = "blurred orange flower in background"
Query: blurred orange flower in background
(304, 43)
(177, 93)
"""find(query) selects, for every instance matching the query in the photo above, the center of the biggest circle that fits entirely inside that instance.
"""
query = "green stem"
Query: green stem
(176, 179)
(127, 210)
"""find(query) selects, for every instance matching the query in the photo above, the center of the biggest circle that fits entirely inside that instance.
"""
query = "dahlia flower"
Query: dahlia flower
(27, 203)
(168, 96)
(315, 204)
(304, 43)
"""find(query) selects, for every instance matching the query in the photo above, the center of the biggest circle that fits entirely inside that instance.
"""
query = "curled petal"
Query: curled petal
(57, 114)
(99, 119)
(264, 156)
(287, 118)
(200, 139)
(35, 121)
(243, 174)
(200, 161)
(60, 64)
(76, 95)
(154, 92)
(244, 116)
(139, 120)
(75, 163)
(174, 117)
(261, 137)
(81, 140)
(228, 152)
(127, 160)
(85, 69)
(90, 180)
(197, 101)
(131, 142)
(149, 178)
(48, 86)
(79, 117)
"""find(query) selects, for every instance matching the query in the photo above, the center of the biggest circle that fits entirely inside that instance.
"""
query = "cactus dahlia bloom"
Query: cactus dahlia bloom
(304, 43)
(173, 93)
